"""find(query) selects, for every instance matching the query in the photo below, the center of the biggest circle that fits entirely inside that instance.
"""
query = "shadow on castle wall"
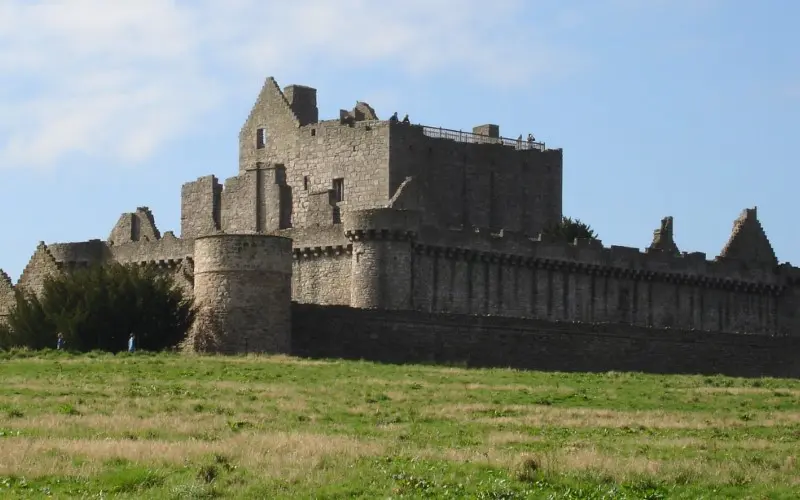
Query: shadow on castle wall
(481, 342)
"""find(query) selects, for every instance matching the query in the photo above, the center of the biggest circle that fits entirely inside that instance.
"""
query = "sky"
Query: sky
(683, 108)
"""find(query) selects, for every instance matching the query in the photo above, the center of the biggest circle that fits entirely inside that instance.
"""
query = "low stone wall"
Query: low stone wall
(487, 341)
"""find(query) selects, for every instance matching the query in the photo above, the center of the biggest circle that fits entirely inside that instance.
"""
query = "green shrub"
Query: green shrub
(97, 308)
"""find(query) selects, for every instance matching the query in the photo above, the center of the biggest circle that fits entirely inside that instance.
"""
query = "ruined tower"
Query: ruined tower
(242, 285)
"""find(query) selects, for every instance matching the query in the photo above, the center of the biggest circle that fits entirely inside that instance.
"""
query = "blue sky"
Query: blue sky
(686, 108)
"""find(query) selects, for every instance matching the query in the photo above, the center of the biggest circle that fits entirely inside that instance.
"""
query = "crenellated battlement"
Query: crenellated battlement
(541, 256)
(594, 258)
(321, 251)
(167, 249)
(381, 223)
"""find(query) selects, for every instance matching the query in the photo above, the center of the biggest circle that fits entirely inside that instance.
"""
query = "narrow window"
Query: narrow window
(261, 138)
(305, 182)
(338, 189)
(313, 132)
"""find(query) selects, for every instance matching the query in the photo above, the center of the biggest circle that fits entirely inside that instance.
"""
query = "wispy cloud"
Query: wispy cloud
(115, 80)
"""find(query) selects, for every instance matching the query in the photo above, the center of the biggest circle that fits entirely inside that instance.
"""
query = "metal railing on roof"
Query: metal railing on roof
(473, 138)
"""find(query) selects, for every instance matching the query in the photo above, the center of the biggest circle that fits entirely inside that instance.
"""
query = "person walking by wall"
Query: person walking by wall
(60, 342)
(132, 343)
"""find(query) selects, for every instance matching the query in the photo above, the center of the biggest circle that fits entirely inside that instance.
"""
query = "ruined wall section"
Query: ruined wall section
(330, 166)
(271, 117)
(585, 282)
(484, 185)
(748, 241)
(530, 285)
(168, 248)
(257, 200)
(79, 254)
(138, 242)
(7, 298)
(41, 266)
(172, 255)
(201, 207)
(508, 274)
(317, 173)
(135, 226)
(142, 243)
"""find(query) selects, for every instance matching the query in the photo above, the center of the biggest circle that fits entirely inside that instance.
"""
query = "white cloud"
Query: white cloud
(116, 79)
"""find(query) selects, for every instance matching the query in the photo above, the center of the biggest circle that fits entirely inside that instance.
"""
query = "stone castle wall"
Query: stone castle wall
(386, 259)
(296, 173)
(283, 129)
(7, 299)
(322, 276)
(424, 223)
(242, 293)
(467, 184)
(399, 264)
(135, 239)
(417, 337)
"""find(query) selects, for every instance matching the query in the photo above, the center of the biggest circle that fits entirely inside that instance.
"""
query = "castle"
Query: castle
(358, 213)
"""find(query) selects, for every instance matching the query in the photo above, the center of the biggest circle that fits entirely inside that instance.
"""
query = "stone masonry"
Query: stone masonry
(385, 215)
(242, 288)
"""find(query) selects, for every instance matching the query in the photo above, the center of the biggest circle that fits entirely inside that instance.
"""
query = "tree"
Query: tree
(569, 229)
(27, 325)
(99, 307)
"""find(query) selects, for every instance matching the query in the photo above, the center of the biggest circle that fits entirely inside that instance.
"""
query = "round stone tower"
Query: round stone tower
(243, 293)
(382, 266)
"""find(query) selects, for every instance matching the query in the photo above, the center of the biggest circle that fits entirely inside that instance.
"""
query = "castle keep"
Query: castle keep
(362, 214)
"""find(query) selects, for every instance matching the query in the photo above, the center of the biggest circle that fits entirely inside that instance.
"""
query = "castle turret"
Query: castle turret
(242, 289)
(382, 274)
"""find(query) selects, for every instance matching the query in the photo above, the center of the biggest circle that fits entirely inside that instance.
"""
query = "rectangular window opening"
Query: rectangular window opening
(338, 189)
(261, 138)
(305, 182)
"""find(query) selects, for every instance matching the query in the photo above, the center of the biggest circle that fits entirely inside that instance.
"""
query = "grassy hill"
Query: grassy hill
(170, 426)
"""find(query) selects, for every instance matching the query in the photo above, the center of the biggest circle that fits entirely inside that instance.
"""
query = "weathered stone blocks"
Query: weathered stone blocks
(243, 293)
(382, 276)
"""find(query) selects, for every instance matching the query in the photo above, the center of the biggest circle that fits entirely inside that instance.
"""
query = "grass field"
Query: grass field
(170, 426)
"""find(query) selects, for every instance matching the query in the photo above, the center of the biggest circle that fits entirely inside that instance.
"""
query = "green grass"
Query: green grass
(172, 426)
